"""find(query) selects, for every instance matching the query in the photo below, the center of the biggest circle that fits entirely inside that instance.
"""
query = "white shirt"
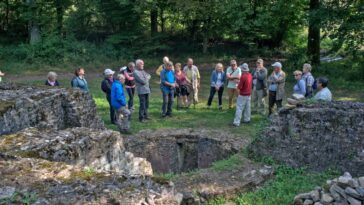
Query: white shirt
(323, 94)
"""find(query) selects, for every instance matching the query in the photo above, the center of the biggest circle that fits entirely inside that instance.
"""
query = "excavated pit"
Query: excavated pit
(183, 150)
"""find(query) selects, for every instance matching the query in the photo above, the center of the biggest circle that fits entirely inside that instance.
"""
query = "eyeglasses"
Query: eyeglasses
(297, 75)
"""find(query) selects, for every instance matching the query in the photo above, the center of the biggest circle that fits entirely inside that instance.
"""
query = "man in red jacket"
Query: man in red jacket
(243, 101)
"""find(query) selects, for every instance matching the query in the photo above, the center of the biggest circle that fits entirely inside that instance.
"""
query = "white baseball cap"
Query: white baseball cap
(108, 71)
(244, 67)
(277, 64)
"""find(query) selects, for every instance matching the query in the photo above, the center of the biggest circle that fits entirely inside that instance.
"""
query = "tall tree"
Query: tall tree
(313, 43)
(33, 25)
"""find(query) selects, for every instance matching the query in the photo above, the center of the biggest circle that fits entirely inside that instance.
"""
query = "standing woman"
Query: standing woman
(51, 79)
(181, 89)
(217, 84)
(106, 85)
(79, 80)
(130, 84)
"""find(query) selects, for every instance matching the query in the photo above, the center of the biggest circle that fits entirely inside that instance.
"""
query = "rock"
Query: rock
(361, 181)
(298, 201)
(353, 201)
(317, 203)
(346, 181)
(308, 202)
(315, 195)
(344, 202)
(326, 199)
(360, 191)
(338, 190)
(353, 193)
(6, 192)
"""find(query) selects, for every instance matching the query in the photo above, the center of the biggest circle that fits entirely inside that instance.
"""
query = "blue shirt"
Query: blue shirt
(167, 76)
(77, 82)
(300, 87)
(117, 95)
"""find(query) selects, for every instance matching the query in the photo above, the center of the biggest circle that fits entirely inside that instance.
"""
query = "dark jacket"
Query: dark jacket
(261, 78)
(106, 85)
(55, 84)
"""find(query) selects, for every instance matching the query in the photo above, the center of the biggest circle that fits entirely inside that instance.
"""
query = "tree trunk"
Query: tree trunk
(154, 20)
(204, 44)
(33, 27)
(313, 42)
(163, 20)
(59, 11)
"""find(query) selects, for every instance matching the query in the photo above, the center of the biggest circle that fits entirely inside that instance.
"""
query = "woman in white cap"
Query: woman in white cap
(106, 85)
(276, 82)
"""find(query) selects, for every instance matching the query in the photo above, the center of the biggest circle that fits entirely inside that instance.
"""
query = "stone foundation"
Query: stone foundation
(182, 150)
(317, 136)
(56, 108)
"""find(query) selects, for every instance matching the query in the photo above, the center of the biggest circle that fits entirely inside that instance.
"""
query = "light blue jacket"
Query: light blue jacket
(167, 76)
(214, 78)
(77, 82)
(300, 87)
(117, 95)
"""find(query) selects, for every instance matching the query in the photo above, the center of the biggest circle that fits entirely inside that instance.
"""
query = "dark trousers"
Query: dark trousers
(112, 110)
(272, 101)
(219, 94)
(167, 103)
(143, 106)
(130, 92)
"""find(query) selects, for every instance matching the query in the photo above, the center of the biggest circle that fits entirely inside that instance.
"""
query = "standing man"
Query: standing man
(193, 75)
(142, 86)
(259, 86)
(276, 82)
(168, 84)
(243, 101)
(106, 85)
(118, 101)
(233, 74)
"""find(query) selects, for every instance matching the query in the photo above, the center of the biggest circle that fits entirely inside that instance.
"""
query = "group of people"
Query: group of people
(243, 86)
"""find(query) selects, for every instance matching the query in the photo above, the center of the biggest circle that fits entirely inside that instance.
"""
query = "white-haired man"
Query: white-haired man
(259, 86)
(142, 86)
(193, 76)
(163, 66)
(118, 102)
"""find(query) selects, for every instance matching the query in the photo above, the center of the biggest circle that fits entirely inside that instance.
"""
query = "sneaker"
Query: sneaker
(246, 122)
(142, 120)
(234, 125)
(163, 115)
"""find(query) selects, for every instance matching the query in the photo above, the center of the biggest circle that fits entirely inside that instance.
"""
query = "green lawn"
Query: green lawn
(287, 181)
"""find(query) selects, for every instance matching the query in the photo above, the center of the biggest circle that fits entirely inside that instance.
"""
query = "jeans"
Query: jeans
(130, 92)
(242, 107)
(167, 103)
(258, 101)
(212, 93)
(272, 101)
(143, 106)
(112, 110)
(123, 119)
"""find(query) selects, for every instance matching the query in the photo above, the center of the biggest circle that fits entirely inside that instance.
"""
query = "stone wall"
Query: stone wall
(56, 108)
(344, 190)
(102, 150)
(318, 136)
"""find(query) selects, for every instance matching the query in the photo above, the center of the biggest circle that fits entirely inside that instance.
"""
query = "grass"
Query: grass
(287, 181)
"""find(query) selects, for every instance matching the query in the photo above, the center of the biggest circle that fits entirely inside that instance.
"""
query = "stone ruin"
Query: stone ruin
(55, 108)
(318, 136)
(343, 190)
(55, 146)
